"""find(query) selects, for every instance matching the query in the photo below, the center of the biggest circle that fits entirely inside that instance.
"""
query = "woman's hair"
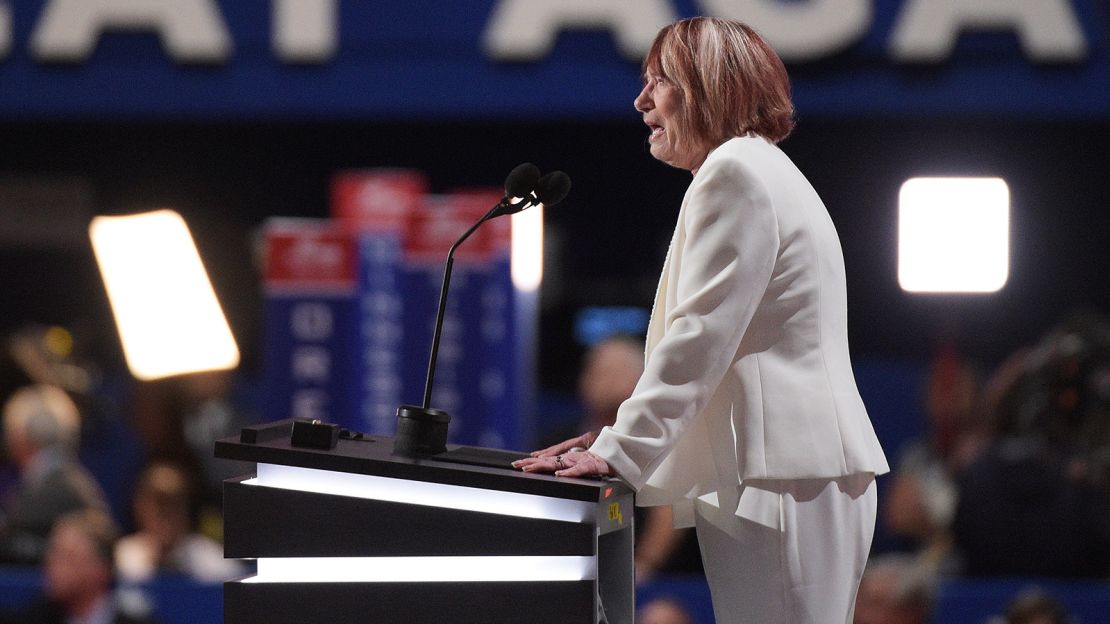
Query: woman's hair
(165, 487)
(45, 416)
(732, 82)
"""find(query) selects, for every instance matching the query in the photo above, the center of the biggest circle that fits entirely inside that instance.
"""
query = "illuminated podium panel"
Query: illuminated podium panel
(358, 534)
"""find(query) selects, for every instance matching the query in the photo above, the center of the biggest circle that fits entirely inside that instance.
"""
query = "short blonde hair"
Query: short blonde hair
(44, 415)
(733, 83)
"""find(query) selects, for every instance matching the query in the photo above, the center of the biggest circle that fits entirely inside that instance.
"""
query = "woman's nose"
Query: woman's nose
(643, 101)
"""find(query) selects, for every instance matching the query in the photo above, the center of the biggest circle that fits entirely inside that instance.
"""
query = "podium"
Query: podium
(358, 534)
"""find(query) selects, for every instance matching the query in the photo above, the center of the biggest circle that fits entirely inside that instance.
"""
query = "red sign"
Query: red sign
(309, 254)
(377, 199)
(442, 219)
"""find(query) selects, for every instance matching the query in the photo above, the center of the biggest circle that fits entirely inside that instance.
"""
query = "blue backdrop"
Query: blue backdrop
(421, 60)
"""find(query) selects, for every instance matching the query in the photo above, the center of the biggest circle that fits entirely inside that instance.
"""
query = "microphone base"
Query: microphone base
(420, 431)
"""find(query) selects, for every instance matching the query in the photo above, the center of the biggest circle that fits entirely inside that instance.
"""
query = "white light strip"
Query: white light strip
(422, 569)
(422, 493)
(527, 249)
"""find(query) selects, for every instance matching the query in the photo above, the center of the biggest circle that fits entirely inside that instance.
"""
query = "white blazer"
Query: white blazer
(747, 373)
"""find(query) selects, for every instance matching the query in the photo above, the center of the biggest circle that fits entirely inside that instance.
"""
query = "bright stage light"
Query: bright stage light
(421, 493)
(527, 248)
(169, 320)
(953, 235)
(423, 569)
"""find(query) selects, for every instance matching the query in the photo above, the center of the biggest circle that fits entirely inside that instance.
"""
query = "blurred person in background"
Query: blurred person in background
(179, 419)
(77, 577)
(609, 374)
(896, 589)
(1034, 607)
(610, 370)
(37, 354)
(921, 500)
(663, 611)
(41, 428)
(1035, 502)
(55, 356)
(165, 541)
(747, 419)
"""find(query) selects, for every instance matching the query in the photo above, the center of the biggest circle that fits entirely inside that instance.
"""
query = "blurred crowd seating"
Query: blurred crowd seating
(1001, 483)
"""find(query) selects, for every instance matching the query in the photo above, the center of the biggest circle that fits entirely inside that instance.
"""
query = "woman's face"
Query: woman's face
(661, 103)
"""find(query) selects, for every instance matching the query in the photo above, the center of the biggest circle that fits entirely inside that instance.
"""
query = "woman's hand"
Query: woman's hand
(579, 443)
(572, 464)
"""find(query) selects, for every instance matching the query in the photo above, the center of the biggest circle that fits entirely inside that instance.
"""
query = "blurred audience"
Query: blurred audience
(72, 360)
(1034, 607)
(1036, 502)
(165, 541)
(921, 501)
(663, 611)
(1012, 478)
(611, 368)
(41, 428)
(77, 577)
(178, 421)
(36, 354)
(895, 589)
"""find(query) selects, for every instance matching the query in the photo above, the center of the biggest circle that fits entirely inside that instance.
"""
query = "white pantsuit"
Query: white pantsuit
(792, 554)
(748, 380)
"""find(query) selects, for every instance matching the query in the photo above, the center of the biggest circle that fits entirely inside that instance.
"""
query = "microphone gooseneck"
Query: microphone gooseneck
(423, 430)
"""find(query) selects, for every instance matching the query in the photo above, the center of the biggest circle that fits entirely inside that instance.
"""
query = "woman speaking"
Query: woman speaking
(746, 419)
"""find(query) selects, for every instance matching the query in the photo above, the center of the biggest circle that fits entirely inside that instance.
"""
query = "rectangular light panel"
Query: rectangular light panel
(169, 320)
(953, 235)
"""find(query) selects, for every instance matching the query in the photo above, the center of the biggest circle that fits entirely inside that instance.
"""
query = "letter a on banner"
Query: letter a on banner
(191, 30)
(305, 31)
(5, 29)
(800, 30)
(525, 30)
(927, 30)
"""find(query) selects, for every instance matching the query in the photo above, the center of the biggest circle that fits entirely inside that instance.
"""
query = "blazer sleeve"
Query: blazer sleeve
(726, 262)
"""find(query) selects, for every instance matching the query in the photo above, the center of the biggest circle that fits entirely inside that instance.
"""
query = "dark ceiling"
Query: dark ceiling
(226, 178)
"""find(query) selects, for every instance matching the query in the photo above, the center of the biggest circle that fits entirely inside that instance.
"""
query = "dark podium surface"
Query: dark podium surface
(359, 534)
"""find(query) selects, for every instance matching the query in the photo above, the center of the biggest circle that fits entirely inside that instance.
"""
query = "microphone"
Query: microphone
(521, 180)
(548, 190)
(552, 188)
(422, 430)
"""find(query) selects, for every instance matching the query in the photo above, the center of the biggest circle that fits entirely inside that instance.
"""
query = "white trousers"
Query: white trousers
(794, 551)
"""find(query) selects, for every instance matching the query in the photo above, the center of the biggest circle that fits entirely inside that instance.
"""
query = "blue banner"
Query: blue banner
(351, 303)
(312, 312)
(529, 59)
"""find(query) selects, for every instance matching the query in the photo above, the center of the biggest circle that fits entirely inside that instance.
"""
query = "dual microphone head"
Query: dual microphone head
(525, 185)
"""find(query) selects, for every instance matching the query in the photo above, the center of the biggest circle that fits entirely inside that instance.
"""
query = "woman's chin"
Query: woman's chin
(661, 153)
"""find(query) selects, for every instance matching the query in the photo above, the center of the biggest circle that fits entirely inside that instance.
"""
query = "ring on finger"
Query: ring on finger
(559, 461)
